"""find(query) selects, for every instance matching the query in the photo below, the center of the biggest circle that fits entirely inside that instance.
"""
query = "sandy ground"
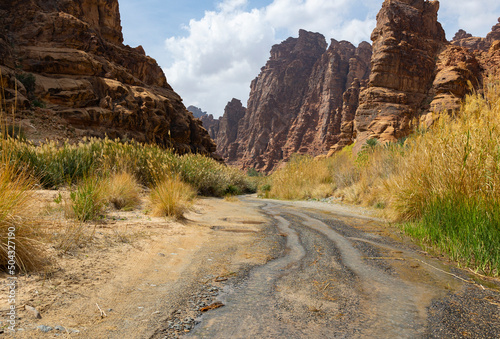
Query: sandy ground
(244, 268)
(131, 273)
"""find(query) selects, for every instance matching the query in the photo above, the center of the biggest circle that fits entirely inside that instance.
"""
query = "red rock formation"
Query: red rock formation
(416, 72)
(318, 124)
(295, 103)
(406, 43)
(87, 78)
(227, 138)
(276, 98)
(457, 70)
(490, 59)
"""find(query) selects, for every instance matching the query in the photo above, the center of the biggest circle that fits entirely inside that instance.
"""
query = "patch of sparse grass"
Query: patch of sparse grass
(72, 236)
(171, 198)
(230, 198)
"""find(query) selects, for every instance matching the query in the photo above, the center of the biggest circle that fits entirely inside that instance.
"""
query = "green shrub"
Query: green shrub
(58, 164)
(88, 199)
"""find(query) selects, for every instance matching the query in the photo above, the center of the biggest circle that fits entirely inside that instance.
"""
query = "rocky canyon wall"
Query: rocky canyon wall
(313, 100)
(295, 103)
(72, 74)
(416, 72)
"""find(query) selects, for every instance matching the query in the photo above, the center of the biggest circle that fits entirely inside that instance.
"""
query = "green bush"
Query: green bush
(56, 164)
(87, 200)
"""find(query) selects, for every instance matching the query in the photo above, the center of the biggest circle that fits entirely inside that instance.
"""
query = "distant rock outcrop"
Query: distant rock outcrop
(197, 112)
(295, 103)
(80, 74)
(227, 138)
(208, 121)
(211, 125)
(485, 50)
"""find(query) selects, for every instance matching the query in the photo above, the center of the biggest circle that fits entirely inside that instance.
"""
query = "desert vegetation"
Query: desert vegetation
(98, 175)
(441, 184)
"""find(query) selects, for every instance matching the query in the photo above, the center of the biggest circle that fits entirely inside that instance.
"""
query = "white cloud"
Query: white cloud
(225, 50)
(231, 5)
(221, 54)
(476, 17)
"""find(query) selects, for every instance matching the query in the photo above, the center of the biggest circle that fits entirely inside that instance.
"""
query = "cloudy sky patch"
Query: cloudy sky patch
(212, 50)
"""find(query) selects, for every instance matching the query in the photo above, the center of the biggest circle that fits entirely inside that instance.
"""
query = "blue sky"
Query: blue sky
(211, 50)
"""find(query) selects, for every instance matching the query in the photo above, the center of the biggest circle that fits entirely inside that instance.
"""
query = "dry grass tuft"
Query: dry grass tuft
(19, 238)
(171, 197)
(123, 191)
(303, 177)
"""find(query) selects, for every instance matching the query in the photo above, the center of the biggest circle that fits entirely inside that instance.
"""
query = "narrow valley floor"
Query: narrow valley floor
(253, 268)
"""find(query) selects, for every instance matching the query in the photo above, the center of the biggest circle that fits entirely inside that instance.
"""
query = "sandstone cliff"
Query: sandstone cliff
(406, 43)
(295, 103)
(309, 100)
(68, 58)
(416, 72)
(276, 97)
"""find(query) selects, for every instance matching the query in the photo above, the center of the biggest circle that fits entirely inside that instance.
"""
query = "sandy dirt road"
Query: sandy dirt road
(345, 275)
(280, 270)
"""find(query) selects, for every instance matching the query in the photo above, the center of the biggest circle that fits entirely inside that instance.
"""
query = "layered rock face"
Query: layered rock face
(416, 73)
(406, 43)
(276, 97)
(295, 103)
(85, 76)
(318, 124)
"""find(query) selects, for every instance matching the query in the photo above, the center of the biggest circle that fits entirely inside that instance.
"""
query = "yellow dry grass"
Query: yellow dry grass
(171, 197)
